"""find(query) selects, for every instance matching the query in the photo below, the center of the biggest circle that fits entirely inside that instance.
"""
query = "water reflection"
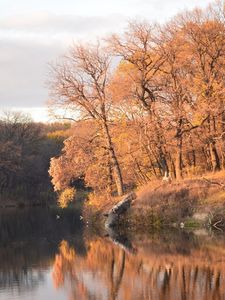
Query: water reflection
(29, 239)
(165, 266)
(50, 257)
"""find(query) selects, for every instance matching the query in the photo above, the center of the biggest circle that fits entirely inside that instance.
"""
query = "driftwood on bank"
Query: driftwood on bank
(118, 210)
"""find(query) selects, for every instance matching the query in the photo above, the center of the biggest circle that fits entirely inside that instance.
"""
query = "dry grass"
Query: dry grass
(178, 200)
(159, 202)
(195, 189)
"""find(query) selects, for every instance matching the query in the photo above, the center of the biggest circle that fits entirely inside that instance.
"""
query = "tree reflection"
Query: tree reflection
(21, 280)
(28, 243)
(108, 272)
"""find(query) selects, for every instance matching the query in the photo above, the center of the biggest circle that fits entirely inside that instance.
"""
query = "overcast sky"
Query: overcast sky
(35, 32)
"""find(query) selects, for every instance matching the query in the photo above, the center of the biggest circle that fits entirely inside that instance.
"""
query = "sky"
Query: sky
(34, 33)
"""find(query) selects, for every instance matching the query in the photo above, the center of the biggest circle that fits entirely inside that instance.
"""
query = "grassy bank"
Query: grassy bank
(192, 202)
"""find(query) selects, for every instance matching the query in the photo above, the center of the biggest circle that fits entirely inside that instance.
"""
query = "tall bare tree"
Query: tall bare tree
(81, 82)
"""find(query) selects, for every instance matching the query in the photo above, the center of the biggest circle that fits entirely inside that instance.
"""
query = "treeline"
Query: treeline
(25, 151)
(149, 102)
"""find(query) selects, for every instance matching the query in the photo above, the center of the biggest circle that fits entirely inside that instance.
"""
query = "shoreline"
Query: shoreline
(190, 203)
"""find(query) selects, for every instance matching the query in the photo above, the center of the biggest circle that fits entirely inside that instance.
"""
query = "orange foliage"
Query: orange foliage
(160, 112)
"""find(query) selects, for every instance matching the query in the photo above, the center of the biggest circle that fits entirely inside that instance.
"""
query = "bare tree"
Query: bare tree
(81, 82)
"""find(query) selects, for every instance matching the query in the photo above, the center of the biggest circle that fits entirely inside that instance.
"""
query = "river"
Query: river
(51, 254)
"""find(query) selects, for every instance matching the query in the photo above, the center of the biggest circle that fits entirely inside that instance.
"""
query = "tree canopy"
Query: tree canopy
(149, 102)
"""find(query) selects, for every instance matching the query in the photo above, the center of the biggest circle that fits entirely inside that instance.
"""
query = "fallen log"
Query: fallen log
(119, 209)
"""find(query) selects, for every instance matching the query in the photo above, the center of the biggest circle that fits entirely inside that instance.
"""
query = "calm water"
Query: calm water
(43, 256)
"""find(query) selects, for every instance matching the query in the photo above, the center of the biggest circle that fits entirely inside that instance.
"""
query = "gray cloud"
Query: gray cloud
(52, 23)
(23, 68)
(28, 42)
(26, 46)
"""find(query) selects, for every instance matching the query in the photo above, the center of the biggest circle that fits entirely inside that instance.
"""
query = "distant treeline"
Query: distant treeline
(25, 152)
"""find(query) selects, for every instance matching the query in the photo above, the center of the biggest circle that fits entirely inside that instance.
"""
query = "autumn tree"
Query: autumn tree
(81, 82)
(150, 104)
(177, 103)
(205, 35)
(138, 50)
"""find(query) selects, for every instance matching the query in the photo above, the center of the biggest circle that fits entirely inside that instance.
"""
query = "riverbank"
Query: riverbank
(193, 202)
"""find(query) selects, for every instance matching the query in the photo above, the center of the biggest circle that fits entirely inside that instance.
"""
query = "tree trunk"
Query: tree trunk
(193, 162)
(172, 166)
(144, 178)
(222, 159)
(178, 160)
(163, 161)
(214, 157)
(115, 165)
(110, 177)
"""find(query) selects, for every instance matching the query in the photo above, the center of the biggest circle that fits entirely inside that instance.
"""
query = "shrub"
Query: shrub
(66, 196)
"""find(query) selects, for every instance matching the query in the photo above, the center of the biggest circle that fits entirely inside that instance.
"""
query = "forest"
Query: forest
(147, 103)
(25, 151)
(141, 105)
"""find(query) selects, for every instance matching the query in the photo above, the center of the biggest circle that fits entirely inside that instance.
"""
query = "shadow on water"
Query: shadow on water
(38, 244)
(29, 239)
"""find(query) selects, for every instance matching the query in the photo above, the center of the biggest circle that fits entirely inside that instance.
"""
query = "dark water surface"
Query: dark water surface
(46, 254)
